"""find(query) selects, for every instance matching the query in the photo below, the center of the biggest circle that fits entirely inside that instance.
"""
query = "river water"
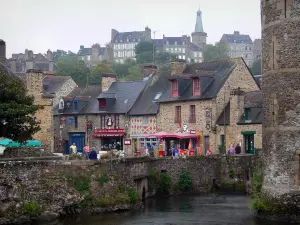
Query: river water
(183, 210)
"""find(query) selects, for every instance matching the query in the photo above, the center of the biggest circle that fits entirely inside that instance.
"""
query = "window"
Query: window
(174, 87)
(177, 114)
(145, 120)
(117, 121)
(147, 141)
(183, 50)
(102, 103)
(82, 58)
(102, 122)
(76, 121)
(223, 140)
(192, 118)
(246, 56)
(247, 110)
(157, 96)
(75, 104)
(246, 48)
(89, 58)
(196, 86)
(183, 57)
(195, 54)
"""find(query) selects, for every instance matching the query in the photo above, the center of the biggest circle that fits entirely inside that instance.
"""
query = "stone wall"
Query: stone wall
(107, 80)
(281, 73)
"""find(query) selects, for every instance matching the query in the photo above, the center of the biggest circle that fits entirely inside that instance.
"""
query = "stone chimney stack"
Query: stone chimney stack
(177, 67)
(13, 65)
(236, 105)
(148, 33)
(29, 59)
(2, 51)
(236, 33)
(34, 84)
(50, 59)
(148, 70)
(107, 80)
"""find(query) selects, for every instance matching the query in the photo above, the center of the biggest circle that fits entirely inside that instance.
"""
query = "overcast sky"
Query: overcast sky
(40, 25)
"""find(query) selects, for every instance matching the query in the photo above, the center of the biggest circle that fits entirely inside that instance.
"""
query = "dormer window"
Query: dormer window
(174, 88)
(247, 111)
(102, 103)
(196, 86)
(75, 101)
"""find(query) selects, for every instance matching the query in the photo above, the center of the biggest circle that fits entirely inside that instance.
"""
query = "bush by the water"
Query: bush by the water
(32, 208)
(185, 181)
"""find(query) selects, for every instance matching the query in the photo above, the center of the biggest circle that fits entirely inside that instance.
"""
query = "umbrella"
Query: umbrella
(33, 143)
(5, 142)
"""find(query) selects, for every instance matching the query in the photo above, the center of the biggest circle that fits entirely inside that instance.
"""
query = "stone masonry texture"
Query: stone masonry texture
(47, 181)
(240, 77)
(281, 84)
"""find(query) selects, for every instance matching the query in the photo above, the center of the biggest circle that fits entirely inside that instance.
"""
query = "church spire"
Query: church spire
(199, 26)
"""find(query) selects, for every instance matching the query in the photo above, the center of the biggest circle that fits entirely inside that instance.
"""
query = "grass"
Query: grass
(103, 179)
(32, 209)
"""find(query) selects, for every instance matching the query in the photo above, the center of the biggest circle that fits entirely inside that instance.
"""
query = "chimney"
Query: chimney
(2, 51)
(113, 34)
(236, 33)
(34, 84)
(50, 59)
(95, 49)
(236, 105)
(177, 67)
(148, 33)
(13, 65)
(148, 70)
(81, 47)
(26, 54)
(107, 80)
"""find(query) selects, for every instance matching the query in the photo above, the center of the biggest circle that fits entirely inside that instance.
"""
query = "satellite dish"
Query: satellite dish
(61, 104)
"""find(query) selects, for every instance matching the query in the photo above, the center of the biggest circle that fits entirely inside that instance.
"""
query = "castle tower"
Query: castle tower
(281, 85)
(2, 51)
(199, 36)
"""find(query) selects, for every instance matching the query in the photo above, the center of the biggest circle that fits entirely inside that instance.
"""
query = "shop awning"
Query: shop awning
(109, 132)
(174, 135)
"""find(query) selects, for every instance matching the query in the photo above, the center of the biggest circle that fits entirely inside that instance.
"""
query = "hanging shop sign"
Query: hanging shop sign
(192, 132)
(109, 121)
(63, 120)
(70, 120)
(89, 125)
(127, 142)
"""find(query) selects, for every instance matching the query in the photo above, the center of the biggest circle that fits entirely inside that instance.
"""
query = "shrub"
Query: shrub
(103, 202)
(103, 179)
(32, 208)
(133, 195)
(75, 157)
(81, 183)
(164, 184)
(185, 181)
(106, 156)
(122, 198)
(222, 149)
(122, 188)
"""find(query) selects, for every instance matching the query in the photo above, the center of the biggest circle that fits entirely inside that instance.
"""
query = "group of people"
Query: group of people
(235, 150)
(88, 153)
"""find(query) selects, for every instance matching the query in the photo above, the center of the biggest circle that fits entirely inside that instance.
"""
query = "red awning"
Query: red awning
(108, 132)
(174, 135)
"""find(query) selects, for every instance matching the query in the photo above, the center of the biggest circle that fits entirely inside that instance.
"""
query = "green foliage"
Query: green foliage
(256, 67)
(231, 173)
(32, 209)
(133, 195)
(98, 71)
(164, 57)
(76, 157)
(61, 53)
(81, 182)
(145, 51)
(218, 51)
(70, 66)
(185, 181)
(122, 188)
(134, 74)
(103, 179)
(17, 109)
(164, 184)
(222, 149)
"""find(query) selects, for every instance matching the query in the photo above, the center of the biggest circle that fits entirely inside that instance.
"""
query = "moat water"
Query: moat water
(223, 210)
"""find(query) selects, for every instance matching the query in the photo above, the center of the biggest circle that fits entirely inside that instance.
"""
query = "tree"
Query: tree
(144, 52)
(218, 51)
(61, 53)
(164, 57)
(122, 69)
(70, 66)
(256, 67)
(98, 71)
(17, 111)
(134, 74)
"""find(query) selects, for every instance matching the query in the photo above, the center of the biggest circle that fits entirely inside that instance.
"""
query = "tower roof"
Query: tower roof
(199, 26)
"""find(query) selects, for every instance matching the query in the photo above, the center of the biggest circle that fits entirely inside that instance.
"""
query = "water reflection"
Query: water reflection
(227, 210)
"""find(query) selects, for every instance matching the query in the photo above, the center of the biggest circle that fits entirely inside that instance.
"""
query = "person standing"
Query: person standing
(238, 149)
(87, 151)
(73, 149)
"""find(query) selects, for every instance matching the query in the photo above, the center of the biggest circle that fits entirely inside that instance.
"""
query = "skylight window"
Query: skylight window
(157, 96)
(126, 100)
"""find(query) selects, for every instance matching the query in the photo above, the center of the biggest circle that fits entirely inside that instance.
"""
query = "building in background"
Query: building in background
(199, 36)
(257, 49)
(94, 55)
(239, 45)
(123, 43)
(21, 62)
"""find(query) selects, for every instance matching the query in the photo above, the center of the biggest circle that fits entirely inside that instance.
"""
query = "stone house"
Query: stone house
(96, 115)
(20, 62)
(240, 45)
(123, 43)
(197, 95)
(94, 55)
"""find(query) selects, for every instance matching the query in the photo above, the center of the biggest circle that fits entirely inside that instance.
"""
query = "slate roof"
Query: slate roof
(237, 38)
(85, 51)
(253, 101)
(212, 76)
(172, 40)
(146, 104)
(52, 83)
(125, 93)
(159, 42)
(193, 47)
(4, 68)
(134, 36)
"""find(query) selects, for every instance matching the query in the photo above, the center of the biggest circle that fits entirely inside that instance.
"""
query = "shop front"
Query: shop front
(110, 138)
(177, 144)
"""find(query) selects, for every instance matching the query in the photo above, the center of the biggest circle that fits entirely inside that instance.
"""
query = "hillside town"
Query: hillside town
(186, 103)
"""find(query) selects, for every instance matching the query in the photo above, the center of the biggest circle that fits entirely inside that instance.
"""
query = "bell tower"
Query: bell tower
(199, 36)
